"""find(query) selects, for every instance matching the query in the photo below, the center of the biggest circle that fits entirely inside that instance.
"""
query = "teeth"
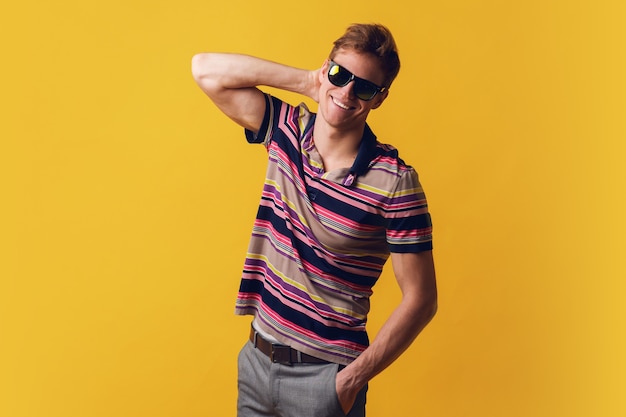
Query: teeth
(343, 106)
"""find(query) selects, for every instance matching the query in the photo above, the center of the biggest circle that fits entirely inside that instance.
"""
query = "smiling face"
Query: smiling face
(338, 106)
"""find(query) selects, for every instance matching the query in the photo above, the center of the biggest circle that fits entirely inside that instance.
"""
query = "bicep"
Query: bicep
(415, 273)
(244, 105)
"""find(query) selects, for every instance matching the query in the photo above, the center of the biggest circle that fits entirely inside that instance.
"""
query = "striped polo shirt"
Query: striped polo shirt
(320, 239)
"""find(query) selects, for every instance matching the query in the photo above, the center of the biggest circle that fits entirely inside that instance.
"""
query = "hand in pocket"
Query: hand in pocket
(345, 393)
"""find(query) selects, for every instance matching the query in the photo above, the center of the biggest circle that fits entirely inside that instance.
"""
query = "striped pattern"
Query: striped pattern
(320, 239)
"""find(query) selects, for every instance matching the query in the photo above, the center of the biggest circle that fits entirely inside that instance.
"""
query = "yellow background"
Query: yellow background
(127, 200)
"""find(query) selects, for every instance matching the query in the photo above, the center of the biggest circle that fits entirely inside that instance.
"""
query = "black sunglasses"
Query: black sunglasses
(363, 89)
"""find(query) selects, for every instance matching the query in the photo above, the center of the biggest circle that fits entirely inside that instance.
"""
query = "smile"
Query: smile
(343, 106)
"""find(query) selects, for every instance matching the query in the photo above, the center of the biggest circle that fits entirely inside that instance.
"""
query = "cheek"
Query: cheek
(377, 102)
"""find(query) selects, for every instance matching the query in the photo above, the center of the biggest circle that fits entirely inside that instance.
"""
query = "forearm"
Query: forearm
(215, 71)
(394, 337)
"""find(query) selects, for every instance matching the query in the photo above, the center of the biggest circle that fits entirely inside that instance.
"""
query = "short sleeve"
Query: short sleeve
(409, 226)
(265, 132)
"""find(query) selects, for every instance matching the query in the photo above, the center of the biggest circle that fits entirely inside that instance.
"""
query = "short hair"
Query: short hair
(373, 39)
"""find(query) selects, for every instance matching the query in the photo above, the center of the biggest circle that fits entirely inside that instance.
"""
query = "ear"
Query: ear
(322, 72)
(378, 100)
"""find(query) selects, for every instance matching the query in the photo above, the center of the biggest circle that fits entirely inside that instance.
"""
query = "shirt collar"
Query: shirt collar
(367, 152)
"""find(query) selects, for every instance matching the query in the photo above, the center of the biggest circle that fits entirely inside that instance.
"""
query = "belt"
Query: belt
(280, 353)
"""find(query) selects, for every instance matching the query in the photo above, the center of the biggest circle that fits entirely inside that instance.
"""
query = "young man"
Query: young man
(336, 203)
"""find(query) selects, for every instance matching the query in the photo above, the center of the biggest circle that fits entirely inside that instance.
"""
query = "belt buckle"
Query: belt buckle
(281, 354)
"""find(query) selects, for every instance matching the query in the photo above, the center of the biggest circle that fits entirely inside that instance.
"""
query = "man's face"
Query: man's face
(339, 106)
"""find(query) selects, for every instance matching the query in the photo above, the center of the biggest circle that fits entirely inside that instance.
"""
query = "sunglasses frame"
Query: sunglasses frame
(357, 81)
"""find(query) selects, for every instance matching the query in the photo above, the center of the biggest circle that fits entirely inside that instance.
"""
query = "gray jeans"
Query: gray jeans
(269, 389)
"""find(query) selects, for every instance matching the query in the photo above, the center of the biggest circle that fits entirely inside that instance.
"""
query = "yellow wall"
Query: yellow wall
(124, 224)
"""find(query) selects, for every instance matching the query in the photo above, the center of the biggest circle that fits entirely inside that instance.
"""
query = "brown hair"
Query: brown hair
(374, 39)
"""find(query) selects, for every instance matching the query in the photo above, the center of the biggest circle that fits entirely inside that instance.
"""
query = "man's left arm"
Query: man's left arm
(415, 273)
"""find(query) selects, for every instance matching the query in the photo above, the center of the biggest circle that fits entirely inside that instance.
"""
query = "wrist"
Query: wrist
(311, 85)
(352, 378)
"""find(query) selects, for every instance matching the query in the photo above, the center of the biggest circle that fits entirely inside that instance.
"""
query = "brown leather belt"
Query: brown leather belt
(280, 353)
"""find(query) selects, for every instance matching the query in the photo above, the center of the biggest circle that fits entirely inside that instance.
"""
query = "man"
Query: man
(336, 203)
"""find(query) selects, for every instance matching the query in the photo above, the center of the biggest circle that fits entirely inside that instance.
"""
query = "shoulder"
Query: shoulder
(281, 116)
(400, 180)
(388, 159)
(286, 116)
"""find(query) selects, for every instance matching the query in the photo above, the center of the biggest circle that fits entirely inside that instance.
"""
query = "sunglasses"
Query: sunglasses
(363, 89)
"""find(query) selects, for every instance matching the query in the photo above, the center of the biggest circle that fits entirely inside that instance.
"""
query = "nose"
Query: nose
(348, 89)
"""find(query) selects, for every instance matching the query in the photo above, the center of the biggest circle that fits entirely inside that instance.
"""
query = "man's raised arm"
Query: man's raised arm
(231, 80)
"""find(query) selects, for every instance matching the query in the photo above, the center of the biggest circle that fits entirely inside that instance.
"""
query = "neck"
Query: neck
(337, 148)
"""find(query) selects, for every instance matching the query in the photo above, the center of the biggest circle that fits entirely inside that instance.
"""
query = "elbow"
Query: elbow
(201, 70)
(199, 65)
(421, 314)
(432, 310)
(428, 307)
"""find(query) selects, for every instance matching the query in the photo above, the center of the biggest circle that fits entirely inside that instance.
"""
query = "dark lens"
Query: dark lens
(364, 89)
(339, 76)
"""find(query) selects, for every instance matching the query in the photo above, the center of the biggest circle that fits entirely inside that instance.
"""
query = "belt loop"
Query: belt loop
(299, 355)
(256, 334)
